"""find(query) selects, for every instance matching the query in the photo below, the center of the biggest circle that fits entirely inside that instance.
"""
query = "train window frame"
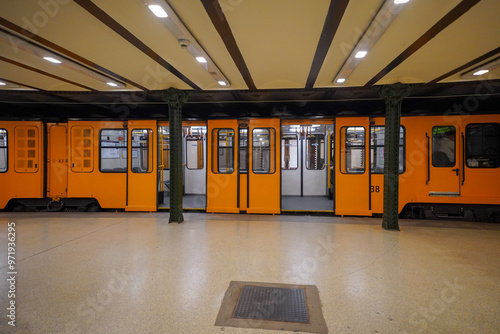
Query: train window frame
(243, 169)
(272, 151)
(215, 144)
(4, 147)
(198, 139)
(435, 143)
(343, 150)
(166, 151)
(296, 138)
(402, 156)
(116, 147)
(149, 168)
(30, 155)
(307, 150)
(467, 154)
(77, 148)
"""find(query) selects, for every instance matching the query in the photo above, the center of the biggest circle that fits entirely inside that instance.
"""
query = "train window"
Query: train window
(82, 158)
(353, 152)
(443, 146)
(377, 138)
(243, 158)
(26, 149)
(164, 149)
(140, 151)
(263, 147)
(194, 152)
(223, 142)
(4, 165)
(289, 151)
(482, 145)
(315, 151)
(113, 151)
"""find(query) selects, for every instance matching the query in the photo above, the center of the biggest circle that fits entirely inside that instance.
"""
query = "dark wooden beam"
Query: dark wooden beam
(466, 66)
(102, 16)
(65, 52)
(13, 62)
(463, 7)
(220, 23)
(332, 22)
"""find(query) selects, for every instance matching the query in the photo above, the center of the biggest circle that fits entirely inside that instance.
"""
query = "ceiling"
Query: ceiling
(269, 52)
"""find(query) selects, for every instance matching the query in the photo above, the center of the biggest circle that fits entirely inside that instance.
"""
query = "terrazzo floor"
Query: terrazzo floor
(135, 273)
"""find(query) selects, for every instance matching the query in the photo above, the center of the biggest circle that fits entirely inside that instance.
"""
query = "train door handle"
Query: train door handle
(456, 170)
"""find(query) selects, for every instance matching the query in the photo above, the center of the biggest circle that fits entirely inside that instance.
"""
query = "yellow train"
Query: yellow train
(449, 166)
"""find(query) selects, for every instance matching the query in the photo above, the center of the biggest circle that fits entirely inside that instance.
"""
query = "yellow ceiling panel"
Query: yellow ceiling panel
(21, 75)
(73, 28)
(277, 39)
(474, 34)
(193, 15)
(357, 17)
(412, 23)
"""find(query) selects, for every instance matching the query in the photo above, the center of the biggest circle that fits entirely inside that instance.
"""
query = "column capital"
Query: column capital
(175, 97)
(397, 91)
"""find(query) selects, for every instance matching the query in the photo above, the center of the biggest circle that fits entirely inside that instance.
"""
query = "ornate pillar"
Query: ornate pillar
(175, 99)
(393, 96)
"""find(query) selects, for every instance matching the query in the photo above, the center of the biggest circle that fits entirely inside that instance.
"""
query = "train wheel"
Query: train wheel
(94, 207)
(410, 214)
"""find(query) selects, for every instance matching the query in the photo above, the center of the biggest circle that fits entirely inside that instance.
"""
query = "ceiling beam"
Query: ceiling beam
(220, 23)
(102, 16)
(463, 7)
(13, 62)
(59, 49)
(332, 22)
(466, 66)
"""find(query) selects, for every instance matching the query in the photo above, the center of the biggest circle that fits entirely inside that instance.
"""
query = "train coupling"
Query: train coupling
(55, 205)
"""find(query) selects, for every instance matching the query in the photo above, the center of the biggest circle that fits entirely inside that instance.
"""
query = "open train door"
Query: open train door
(142, 162)
(352, 174)
(222, 172)
(264, 182)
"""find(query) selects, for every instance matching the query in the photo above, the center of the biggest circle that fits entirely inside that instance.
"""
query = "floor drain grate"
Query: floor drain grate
(273, 306)
(277, 304)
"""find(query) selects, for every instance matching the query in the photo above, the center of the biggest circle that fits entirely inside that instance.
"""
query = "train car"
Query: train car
(449, 166)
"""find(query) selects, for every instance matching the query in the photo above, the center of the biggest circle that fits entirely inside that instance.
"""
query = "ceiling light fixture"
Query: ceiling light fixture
(112, 84)
(482, 69)
(201, 60)
(158, 11)
(23, 44)
(3, 83)
(187, 41)
(52, 60)
(380, 23)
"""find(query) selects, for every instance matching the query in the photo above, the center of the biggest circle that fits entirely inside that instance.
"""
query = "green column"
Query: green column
(393, 96)
(175, 99)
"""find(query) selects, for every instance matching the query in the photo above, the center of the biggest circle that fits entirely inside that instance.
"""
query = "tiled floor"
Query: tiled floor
(135, 273)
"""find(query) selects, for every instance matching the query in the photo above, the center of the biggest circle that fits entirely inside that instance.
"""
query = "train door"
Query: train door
(445, 162)
(57, 160)
(263, 166)
(352, 175)
(222, 173)
(243, 166)
(141, 174)
(306, 164)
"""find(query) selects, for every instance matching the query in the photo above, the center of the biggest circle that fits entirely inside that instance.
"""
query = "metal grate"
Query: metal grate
(268, 303)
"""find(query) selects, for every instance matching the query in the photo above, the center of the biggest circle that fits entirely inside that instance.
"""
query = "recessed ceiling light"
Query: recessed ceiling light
(222, 83)
(3, 84)
(52, 60)
(398, 2)
(480, 72)
(360, 54)
(158, 11)
(340, 80)
(201, 60)
(112, 84)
